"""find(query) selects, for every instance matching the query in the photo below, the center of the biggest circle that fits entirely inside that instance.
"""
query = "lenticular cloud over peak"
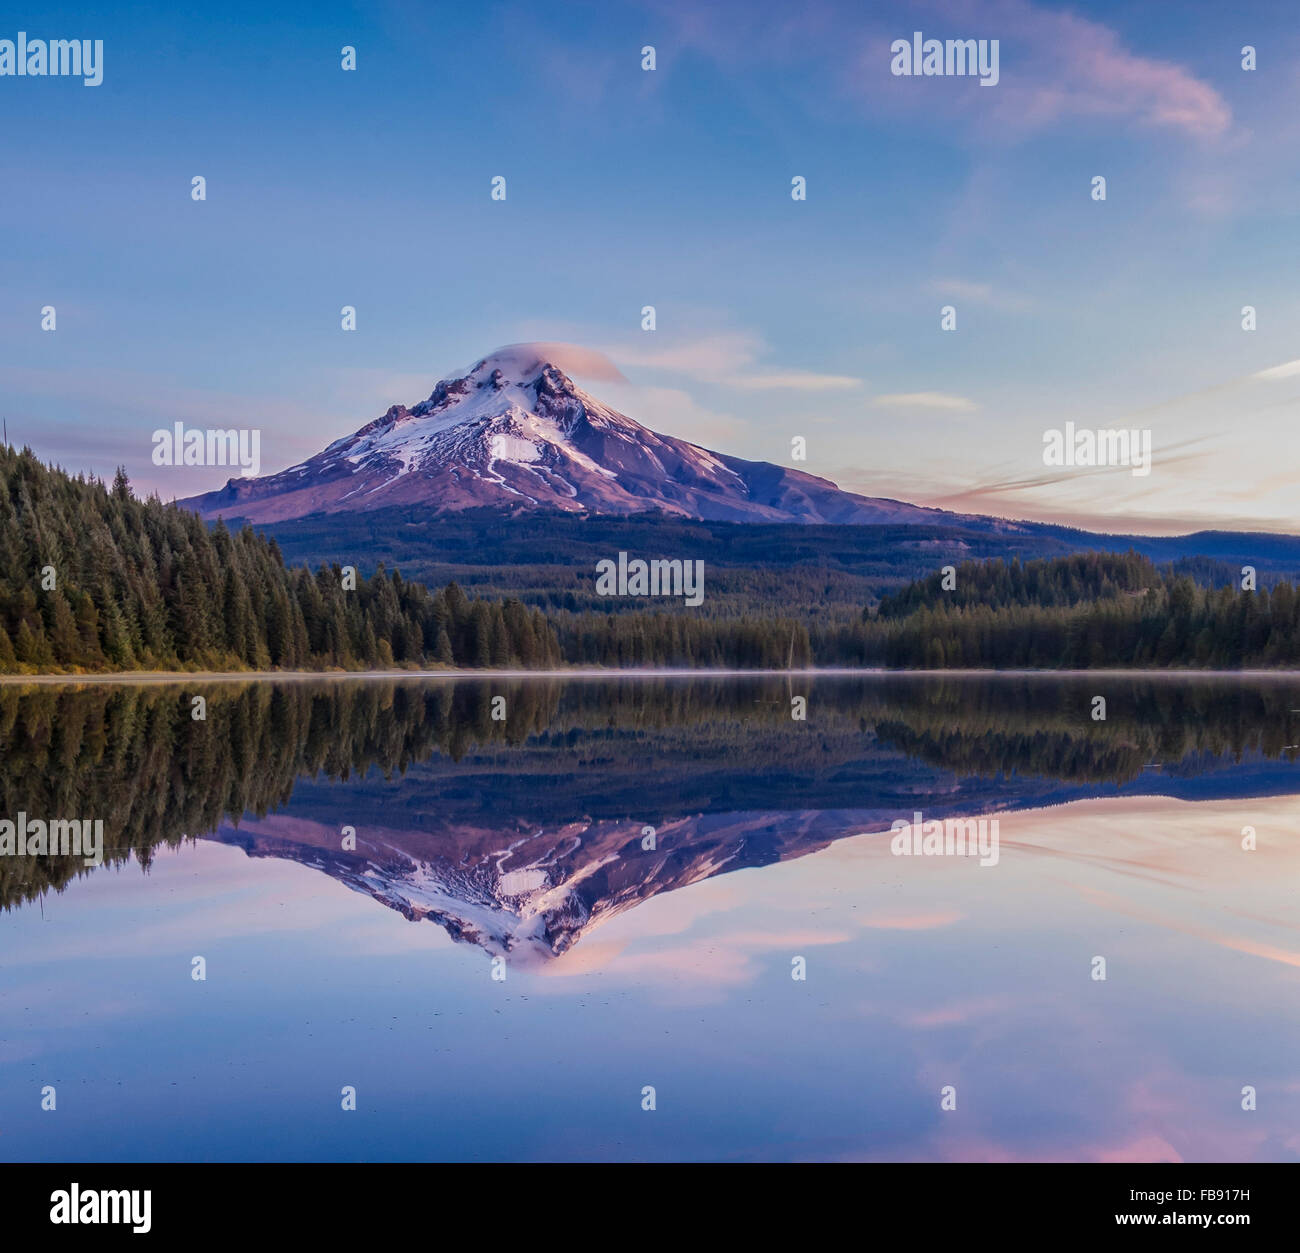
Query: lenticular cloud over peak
(522, 362)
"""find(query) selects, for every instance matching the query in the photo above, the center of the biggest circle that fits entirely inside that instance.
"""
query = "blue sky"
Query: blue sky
(625, 188)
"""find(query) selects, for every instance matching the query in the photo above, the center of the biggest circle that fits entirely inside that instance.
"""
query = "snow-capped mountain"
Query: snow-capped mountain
(533, 892)
(516, 433)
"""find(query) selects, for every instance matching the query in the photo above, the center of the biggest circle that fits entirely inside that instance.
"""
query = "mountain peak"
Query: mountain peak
(521, 371)
(515, 432)
(519, 364)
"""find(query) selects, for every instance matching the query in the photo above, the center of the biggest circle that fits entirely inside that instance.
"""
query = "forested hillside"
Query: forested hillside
(94, 579)
(1046, 584)
(1083, 612)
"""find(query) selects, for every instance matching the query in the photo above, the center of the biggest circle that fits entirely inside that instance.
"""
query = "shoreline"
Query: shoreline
(424, 676)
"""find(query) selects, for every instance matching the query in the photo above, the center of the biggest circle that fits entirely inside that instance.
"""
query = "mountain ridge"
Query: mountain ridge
(515, 433)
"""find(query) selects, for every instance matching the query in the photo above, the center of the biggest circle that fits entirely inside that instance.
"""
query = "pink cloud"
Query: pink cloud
(913, 922)
(1077, 67)
(958, 1012)
(1054, 66)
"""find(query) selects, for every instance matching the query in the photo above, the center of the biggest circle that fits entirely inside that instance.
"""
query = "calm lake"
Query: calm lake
(513, 913)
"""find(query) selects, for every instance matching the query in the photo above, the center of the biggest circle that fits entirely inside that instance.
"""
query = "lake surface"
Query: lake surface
(561, 893)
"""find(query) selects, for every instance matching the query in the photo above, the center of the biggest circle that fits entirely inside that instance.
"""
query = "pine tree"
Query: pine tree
(25, 646)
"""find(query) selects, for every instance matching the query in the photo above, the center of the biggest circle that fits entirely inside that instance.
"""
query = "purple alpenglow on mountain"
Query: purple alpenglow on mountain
(516, 433)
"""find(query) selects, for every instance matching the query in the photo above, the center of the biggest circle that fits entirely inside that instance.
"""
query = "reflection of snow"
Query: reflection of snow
(517, 882)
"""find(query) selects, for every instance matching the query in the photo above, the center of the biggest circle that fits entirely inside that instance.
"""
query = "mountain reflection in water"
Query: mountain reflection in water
(521, 835)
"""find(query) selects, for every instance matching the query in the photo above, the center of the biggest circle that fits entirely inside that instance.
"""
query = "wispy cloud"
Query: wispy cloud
(1073, 473)
(672, 411)
(980, 294)
(1082, 69)
(730, 358)
(776, 380)
(925, 400)
(1286, 370)
(1056, 66)
(95, 419)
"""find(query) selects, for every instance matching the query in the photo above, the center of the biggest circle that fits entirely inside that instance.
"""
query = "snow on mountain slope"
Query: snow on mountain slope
(516, 433)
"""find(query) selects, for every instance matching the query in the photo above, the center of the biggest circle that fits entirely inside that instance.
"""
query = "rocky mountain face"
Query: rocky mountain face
(517, 433)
